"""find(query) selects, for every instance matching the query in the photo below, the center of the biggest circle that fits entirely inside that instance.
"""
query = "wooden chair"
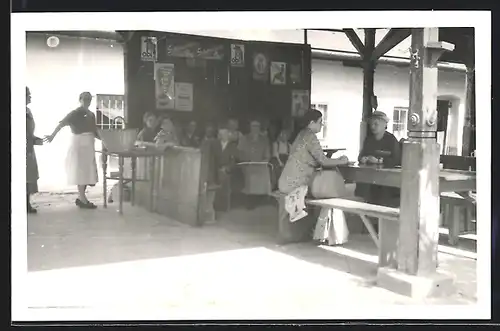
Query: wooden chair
(458, 210)
(257, 178)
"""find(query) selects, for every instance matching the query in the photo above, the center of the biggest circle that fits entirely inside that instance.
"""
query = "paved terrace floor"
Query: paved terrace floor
(99, 259)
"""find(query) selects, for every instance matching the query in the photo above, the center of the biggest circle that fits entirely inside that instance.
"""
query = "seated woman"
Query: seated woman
(254, 147)
(167, 136)
(210, 134)
(306, 155)
(381, 148)
(280, 151)
(149, 131)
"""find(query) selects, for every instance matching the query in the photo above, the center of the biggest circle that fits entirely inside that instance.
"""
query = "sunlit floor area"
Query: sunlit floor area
(97, 258)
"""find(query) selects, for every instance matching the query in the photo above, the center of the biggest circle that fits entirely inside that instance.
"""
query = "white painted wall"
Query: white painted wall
(341, 88)
(56, 76)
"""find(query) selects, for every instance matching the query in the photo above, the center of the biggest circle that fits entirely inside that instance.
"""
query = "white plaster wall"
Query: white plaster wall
(56, 76)
(342, 89)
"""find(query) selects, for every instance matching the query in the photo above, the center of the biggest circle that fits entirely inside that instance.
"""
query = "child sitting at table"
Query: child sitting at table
(280, 151)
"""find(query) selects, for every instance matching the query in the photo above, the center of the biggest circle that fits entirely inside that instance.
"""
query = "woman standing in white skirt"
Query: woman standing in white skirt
(81, 168)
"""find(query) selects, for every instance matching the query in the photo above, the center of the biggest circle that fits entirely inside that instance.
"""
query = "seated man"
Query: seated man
(382, 148)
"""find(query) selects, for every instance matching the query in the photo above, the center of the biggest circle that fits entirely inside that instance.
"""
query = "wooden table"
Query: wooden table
(449, 180)
(133, 154)
(330, 151)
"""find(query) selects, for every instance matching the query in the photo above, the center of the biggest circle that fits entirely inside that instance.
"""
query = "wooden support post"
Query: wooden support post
(416, 274)
(470, 112)
(368, 82)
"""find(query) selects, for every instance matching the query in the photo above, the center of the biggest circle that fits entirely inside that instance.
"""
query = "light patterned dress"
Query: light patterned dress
(306, 155)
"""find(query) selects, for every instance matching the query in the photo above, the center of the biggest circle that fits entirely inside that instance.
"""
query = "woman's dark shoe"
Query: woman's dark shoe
(83, 205)
(31, 210)
(89, 205)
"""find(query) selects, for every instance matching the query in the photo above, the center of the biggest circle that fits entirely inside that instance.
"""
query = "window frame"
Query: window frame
(323, 108)
(403, 123)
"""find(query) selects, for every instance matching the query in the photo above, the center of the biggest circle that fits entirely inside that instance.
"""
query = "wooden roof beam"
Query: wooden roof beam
(390, 40)
(355, 41)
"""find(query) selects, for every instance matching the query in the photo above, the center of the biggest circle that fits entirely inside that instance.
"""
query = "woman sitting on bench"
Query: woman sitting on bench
(306, 155)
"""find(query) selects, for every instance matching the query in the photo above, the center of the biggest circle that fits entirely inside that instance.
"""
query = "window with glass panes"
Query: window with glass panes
(108, 108)
(323, 108)
(399, 122)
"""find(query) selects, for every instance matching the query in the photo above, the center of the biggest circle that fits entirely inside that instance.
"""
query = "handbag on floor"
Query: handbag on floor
(327, 184)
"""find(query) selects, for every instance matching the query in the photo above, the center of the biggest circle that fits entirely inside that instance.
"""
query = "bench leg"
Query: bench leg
(453, 224)
(371, 230)
(388, 238)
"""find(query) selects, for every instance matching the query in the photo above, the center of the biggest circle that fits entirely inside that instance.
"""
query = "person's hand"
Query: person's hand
(364, 159)
(48, 138)
(372, 159)
(344, 159)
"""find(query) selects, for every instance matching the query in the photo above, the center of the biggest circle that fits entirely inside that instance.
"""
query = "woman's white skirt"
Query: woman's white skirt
(81, 167)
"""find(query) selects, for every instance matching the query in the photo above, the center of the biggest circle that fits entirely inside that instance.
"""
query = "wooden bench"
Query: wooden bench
(386, 239)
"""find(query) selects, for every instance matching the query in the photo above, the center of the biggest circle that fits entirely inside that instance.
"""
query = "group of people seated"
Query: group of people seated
(228, 146)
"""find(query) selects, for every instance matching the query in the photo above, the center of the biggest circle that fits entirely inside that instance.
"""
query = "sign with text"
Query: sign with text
(278, 73)
(149, 49)
(165, 85)
(260, 67)
(300, 102)
(237, 55)
(184, 96)
(194, 49)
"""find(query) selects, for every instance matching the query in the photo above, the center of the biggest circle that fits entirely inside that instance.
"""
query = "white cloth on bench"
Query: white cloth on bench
(332, 227)
(295, 203)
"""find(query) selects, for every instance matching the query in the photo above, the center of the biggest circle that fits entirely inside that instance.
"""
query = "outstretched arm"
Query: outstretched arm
(316, 151)
(65, 121)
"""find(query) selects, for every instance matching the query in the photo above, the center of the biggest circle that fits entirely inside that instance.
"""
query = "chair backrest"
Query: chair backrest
(457, 162)
(257, 177)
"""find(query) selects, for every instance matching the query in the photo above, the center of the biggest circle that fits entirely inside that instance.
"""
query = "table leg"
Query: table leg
(134, 175)
(453, 224)
(152, 187)
(120, 183)
(104, 160)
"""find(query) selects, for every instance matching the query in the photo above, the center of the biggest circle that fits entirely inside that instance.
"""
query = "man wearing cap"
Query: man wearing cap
(381, 148)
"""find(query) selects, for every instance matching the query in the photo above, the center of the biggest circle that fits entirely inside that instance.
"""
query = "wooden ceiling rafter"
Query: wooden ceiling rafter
(355, 41)
(393, 38)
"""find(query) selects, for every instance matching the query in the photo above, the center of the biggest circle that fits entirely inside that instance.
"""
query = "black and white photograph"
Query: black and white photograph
(331, 176)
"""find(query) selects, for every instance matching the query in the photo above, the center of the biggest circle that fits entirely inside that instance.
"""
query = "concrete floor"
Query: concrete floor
(232, 269)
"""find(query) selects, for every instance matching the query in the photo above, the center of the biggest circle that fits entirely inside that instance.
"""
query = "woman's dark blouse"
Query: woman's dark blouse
(387, 148)
(147, 135)
(80, 121)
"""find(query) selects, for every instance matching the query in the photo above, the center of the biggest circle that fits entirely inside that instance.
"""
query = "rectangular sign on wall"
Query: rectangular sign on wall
(184, 96)
(149, 49)
(165, 85)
